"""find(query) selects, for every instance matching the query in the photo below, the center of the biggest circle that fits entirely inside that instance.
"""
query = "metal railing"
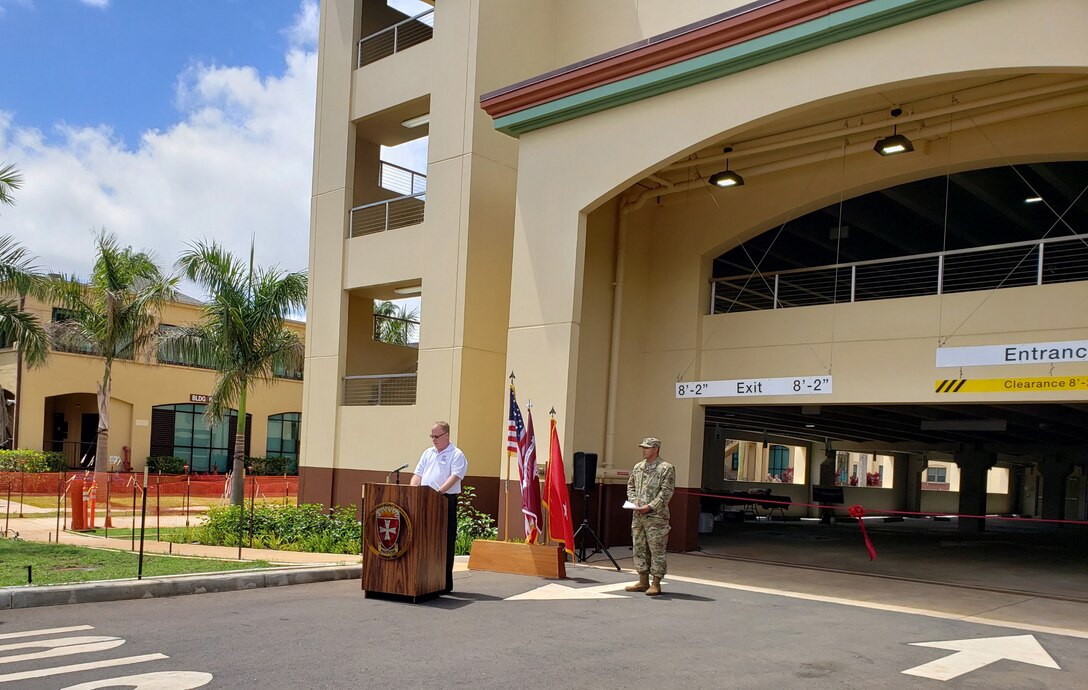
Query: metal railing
(395, 330)
(1035, 262)
(401, 180)
(387, 215)
(380, 389)
(402, 35)
(77, 454)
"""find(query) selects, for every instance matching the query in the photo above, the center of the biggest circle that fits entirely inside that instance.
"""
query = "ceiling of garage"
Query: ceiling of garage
(1027, 429)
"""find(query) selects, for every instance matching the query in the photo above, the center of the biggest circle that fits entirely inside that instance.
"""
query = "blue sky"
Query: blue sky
(119, 63)
(163, 121)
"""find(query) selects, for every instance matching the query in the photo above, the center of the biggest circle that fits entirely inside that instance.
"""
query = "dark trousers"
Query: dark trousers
(451, 540)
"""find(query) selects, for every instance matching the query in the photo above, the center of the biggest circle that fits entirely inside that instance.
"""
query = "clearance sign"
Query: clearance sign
(1023, 385)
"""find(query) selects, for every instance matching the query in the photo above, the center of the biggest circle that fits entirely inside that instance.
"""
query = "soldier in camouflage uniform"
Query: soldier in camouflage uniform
(650, 487)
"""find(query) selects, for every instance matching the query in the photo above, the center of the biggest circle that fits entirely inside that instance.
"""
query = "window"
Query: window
(779, 461)
(64, 341)
(937, 475)
(842, 461)
(283, 432)
(166, 355)
(183, 432)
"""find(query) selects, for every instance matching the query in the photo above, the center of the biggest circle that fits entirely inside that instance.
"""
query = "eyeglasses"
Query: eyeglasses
(439, 436)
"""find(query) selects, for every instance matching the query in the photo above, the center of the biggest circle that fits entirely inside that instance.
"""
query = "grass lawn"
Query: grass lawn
(58, 563)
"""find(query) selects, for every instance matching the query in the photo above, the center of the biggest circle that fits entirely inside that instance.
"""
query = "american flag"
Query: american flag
(521, 443)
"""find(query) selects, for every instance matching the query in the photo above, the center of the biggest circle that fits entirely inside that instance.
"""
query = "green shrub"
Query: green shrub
(167, 464)
(471, 523)
(270, 466)
(31, 461)
(306, 527)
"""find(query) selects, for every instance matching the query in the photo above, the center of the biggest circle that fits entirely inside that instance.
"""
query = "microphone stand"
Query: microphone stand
(396, 474)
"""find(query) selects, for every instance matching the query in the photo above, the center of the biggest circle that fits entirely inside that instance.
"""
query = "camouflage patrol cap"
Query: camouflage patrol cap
(650, 442)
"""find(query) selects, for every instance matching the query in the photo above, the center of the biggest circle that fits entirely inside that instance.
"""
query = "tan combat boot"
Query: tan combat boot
(655, 588)
(642, 585)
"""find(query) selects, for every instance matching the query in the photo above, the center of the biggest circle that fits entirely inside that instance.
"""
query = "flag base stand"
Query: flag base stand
(518, 558)
(586, 531)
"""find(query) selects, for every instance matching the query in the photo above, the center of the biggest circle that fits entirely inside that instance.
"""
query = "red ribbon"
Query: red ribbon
(858, 512)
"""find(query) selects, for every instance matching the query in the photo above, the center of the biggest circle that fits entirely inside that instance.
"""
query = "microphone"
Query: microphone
(396, 472)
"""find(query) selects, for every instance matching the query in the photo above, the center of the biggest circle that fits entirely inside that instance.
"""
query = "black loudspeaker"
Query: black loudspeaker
(585, 471)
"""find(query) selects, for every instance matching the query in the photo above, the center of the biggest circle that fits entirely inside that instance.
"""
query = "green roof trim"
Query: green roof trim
(852, 22)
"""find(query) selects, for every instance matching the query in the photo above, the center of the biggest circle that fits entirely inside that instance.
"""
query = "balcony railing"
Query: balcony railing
(400, 36)
(387, 215)
(401, 180)
(1037, 262)
(381, 389)
(396, 330)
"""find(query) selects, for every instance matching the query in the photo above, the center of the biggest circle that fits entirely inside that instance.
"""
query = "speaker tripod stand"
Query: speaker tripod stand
(585, 531)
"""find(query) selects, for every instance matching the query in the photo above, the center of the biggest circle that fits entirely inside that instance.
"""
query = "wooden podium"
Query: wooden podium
(404, 541)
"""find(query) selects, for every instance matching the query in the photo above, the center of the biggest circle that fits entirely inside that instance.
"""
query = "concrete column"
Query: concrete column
(1055, 471)
(713, 459)
(827, 480)
(973, 468)
(914, 466)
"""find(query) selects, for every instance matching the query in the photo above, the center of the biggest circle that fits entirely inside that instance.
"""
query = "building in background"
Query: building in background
(709, 222)
(155, 408)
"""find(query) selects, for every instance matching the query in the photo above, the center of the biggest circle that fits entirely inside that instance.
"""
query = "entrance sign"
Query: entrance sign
(1019, 353)
(1028, 385)
(743, 388)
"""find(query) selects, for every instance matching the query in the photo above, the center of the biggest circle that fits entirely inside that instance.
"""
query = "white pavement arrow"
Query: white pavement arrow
(554, 590)
(974, 654)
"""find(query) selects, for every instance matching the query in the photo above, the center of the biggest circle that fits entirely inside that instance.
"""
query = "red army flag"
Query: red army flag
(556, 497)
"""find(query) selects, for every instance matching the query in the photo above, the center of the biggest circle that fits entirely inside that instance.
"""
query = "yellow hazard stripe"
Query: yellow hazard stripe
(1018, 385)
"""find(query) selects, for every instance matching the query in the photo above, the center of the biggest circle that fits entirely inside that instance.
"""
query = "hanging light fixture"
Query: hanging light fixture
(726, 178)
(896, 143)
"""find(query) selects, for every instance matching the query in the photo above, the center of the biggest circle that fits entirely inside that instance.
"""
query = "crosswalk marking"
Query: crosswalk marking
(74, 668)
(45, 631)
(63, 647)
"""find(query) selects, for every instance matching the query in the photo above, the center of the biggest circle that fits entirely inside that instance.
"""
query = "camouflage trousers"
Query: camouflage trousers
(649, 537)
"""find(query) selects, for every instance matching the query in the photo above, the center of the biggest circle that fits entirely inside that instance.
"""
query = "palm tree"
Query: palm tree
(242, 333)
(19, 276)
(394, 324)
(10, 180)
(113, 315)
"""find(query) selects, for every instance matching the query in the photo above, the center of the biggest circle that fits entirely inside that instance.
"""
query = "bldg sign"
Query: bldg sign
(199, 398)
(1019, 353)
(746, 388)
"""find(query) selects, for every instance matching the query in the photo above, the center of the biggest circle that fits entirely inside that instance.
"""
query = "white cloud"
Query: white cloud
(237, 164)
(96, 3)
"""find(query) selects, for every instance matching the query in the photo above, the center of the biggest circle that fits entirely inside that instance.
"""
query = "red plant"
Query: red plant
(872, 479)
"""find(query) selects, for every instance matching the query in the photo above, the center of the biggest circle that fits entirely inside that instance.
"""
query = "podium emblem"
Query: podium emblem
(389, 532)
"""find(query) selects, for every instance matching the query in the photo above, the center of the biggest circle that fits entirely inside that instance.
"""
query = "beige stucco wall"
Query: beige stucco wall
(136, 386)
(571, 168)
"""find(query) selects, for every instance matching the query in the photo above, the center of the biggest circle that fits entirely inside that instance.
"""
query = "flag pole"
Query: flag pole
(506, 486)
(547, 509)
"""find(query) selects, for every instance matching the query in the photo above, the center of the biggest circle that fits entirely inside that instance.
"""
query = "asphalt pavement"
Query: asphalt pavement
(499, 630)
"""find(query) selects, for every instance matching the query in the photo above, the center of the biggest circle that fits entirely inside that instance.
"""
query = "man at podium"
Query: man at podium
(442, 467)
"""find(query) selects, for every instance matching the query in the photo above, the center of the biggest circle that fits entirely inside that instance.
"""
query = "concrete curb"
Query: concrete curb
(171, 586)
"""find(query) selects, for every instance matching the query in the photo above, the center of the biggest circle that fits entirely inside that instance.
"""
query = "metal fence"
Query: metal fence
(381, 389)
(393, 39)
(388, 215)
(1042, 262)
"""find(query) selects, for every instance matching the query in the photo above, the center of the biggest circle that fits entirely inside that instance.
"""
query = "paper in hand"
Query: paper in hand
(629, 505)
